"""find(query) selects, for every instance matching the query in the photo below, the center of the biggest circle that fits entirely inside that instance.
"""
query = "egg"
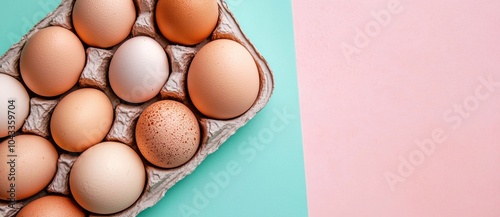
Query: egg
(51, 206)
(187, 22)
(28, 165)
(223, 80)
(14, 105)
(107, 178)
(138, 69)
(81, 119)
(167, 134)
(103, 23)
(51, 61)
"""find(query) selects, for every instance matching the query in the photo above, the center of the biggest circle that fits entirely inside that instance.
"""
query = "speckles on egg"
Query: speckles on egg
(167, 134)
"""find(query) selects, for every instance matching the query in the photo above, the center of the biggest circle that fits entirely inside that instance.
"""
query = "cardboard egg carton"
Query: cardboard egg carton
(214, 132)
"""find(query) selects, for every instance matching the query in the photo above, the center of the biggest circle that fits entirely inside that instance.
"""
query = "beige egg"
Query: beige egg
(103, 23)
(51, 61)
(14, 105)
(107, 178)
(81, 119)
(187, 22)
(223, 80)
(52, 206)
(167, 134)
(28, 165)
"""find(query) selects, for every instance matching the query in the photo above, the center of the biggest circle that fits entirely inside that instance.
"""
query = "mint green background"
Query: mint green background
(271, 180)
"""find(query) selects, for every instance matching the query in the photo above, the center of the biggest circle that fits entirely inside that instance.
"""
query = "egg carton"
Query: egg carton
(159, 180)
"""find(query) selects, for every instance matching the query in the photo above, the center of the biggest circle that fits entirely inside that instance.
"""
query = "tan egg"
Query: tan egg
(103, 23)
(14, 105)
(187, 22)
(81, 119)
(223, 80)
(52, 206)
(28, 165)
(167, 134)
(51, 61)
(107, 178)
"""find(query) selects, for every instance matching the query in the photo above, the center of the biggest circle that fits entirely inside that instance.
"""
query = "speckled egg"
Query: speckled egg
(167, 134)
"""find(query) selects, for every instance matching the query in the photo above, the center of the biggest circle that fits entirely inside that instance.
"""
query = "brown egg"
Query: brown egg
(81, 119)
(103, 23)
(223, 79)
(167, 134)
(52, 206)
(187, 22)
(28, 169)
(51, 61)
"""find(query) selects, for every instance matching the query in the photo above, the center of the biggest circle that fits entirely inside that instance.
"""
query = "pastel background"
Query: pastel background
(419, 75)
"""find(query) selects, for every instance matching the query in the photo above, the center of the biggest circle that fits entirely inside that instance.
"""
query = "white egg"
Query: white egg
(14, 105)
(138, 69)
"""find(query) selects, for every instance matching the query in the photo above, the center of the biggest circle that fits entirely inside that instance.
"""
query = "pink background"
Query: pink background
(362, 119)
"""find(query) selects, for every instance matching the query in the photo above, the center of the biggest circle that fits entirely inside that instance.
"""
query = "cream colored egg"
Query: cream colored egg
(81, 119)
(52, 206)
(138, 69)
(223, 80)
(14, 105)
(28, 165)
(167, 134)
(187, 22)
(107, 178)
(103, 23)
(51, 61)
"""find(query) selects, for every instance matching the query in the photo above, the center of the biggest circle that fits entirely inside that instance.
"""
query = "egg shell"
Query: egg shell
(14, 102)
(167, 134)
(51, 61)
(81, 119)
(138, 69)
(223, 79)
(103, 23)
(32, 167)
(107, 178)
(52, 206)
(186, 22)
